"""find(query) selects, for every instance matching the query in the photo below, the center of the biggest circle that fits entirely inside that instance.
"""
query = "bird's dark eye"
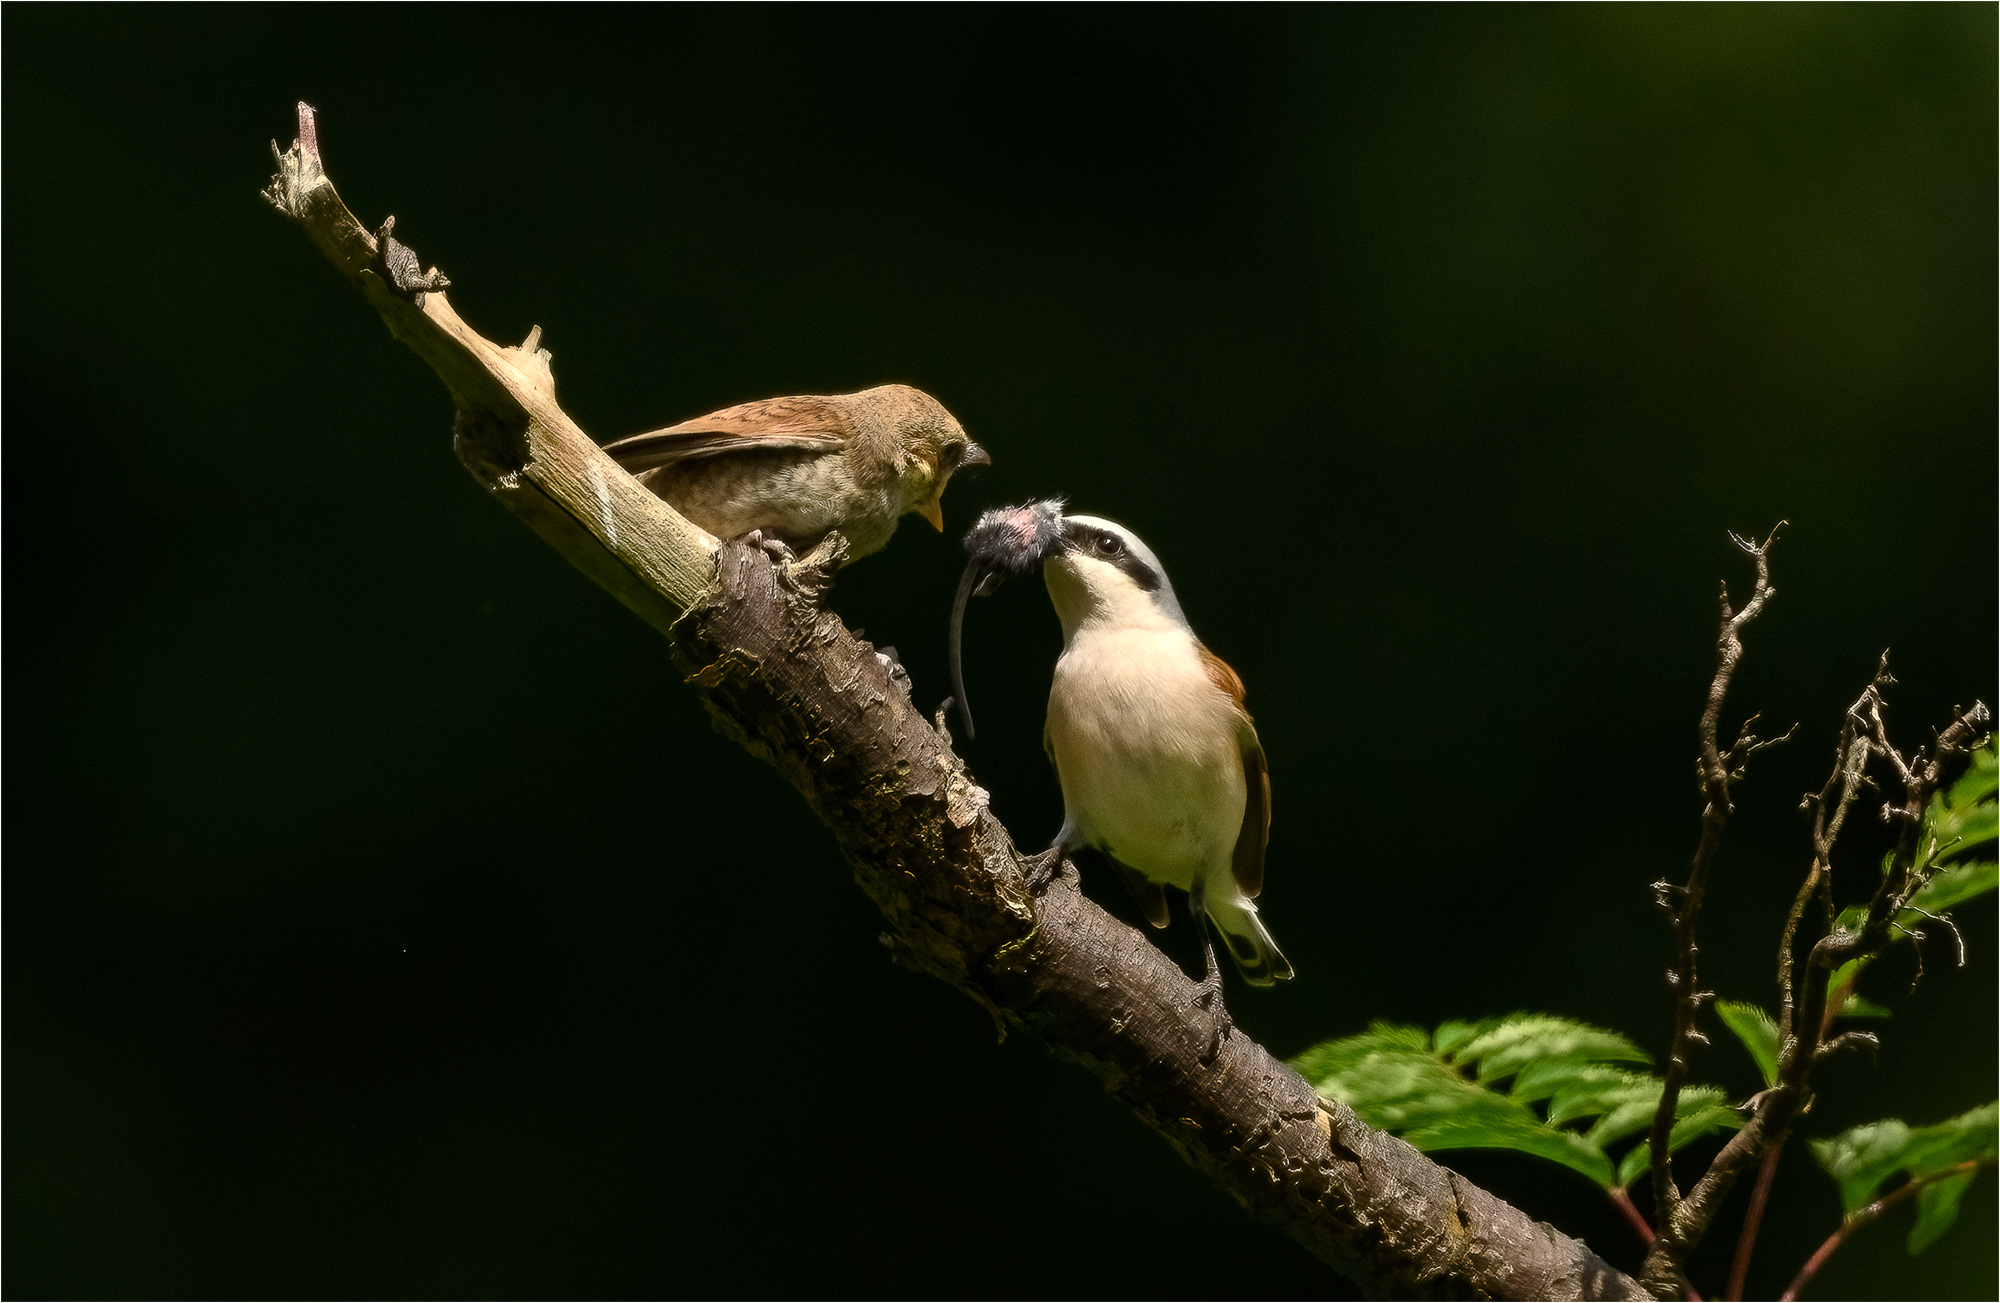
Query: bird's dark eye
(1110, 544)
(952, 456)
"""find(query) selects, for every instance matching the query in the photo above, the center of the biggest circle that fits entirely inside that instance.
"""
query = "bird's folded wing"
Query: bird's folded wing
(811, 423)
(1255, 834)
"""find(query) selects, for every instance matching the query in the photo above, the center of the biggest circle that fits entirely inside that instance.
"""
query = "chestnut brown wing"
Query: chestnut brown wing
(813, 423)
(1255, 835)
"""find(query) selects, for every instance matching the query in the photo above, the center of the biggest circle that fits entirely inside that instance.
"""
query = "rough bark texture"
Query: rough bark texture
(784, 677)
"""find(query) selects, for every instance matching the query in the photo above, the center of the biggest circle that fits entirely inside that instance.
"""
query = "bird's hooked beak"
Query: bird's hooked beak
(1004, 542)
(974, 456)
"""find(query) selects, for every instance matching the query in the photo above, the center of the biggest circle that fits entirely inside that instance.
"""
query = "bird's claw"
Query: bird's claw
(811, 574)
(898, 674)
(806, 577)
(1208, 994)
(398, 264)
(781, 551)
(1042, 869)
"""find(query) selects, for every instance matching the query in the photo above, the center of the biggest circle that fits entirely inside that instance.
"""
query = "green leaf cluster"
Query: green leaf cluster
(1861, 1160)
(1532, 1083)
(1757, 1030)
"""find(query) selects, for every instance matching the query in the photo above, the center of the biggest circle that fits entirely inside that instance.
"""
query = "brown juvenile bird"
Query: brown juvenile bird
(794, 469)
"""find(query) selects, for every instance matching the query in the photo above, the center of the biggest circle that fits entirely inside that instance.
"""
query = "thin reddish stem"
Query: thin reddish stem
(1622, 1201)
(1834, 1001)
(1746, 1242)
(1863, 1218)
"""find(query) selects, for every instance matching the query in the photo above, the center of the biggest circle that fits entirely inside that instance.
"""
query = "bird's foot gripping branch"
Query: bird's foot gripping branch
(787, 679)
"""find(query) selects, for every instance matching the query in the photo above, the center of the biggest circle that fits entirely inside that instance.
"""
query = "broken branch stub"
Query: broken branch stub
(510, 433)
(785, 678)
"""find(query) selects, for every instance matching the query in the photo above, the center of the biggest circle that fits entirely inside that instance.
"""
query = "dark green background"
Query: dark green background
(382, 916)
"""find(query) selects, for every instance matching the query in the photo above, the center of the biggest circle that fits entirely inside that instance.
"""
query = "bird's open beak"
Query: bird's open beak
(933, 511)
(974, 456)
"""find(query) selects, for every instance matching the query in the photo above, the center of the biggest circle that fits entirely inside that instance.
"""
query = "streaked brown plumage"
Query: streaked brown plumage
(797, 468)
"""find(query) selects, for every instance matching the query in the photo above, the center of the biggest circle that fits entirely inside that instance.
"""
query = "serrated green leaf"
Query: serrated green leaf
(1972, 1136)
(1979, 781)
(1620, 1100)
(1499, 1123)
(1757, 1030)
(1861, 1158)
(1967, 832)
(1633, 1117)
(1451, 1033)
(1422, 1087)
(1388, 1076)
(1937, 1209)
(1547, 1077)
(1330, 1057)
(1952, 886)
(1700, 1111)
(1571, 1086)
(1962, 819)
(1503, 1046)
(1981, 776)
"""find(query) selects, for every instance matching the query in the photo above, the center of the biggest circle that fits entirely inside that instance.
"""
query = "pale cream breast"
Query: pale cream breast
(1146, 750)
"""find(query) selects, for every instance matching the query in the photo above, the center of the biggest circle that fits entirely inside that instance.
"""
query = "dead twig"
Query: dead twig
(1718, 770)
(1806, 1024)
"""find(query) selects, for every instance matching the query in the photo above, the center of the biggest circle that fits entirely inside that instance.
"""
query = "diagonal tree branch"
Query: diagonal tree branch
(786, 679)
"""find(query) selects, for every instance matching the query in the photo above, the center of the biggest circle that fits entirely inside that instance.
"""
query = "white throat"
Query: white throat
(1096, 597)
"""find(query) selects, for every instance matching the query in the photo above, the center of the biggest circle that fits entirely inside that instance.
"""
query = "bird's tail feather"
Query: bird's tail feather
(1249, 942)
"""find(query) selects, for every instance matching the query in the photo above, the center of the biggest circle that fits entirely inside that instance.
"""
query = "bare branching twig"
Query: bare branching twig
(1829, 806)
(1718, 768)
(1806, 1024)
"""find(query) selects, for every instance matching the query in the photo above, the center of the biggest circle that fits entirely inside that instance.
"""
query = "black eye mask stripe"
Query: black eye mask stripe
(1140, 573)
(1111, 550)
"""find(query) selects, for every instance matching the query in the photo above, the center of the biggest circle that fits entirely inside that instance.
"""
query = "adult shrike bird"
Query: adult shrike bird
(1160, 766)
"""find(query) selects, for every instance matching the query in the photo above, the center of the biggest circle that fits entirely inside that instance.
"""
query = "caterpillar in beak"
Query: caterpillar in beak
(1004, 543)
